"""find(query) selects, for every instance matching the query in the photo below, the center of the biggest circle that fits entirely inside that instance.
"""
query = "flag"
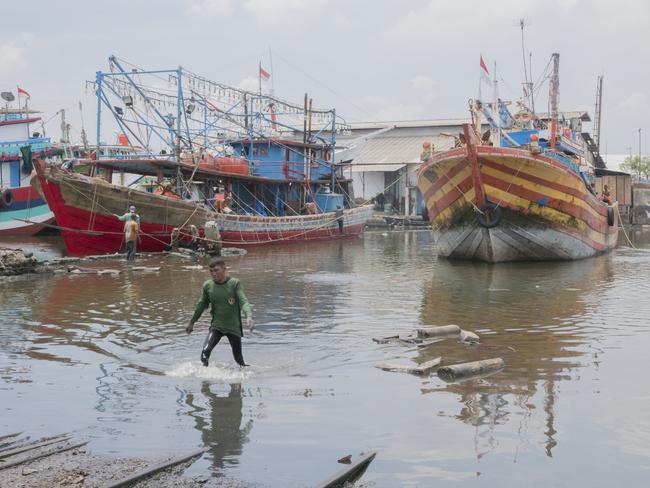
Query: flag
(264, 74)
(23, 92)
(485, 74)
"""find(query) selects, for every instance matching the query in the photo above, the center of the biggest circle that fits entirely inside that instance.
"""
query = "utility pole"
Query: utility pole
(639, 154)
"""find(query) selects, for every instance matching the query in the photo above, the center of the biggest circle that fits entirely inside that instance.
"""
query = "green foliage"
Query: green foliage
(637, 166)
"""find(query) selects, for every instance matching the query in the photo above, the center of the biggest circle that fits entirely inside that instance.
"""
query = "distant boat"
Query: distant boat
(522, 193)
(22, 210)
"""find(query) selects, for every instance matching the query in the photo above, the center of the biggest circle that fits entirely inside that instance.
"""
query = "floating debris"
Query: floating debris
(438, 331)
(469, 337)
(422, 369)
(473, 369)
(350, 474)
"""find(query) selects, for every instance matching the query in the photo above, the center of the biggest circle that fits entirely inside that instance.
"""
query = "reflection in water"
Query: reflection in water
(93, 351)
(539, 347)
(220, 423)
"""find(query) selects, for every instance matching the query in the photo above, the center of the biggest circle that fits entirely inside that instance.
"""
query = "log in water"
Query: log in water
(475, 368)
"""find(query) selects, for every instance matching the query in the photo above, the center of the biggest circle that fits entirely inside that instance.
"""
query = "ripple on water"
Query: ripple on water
(219, 372)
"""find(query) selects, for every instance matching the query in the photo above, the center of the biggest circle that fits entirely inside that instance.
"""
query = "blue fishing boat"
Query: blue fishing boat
(22, 210)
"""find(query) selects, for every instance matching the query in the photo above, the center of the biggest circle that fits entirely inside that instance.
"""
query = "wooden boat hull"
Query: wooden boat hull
(545, 211)
(84, 209)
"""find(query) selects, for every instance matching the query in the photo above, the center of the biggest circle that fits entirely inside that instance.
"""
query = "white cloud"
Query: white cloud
(284, 11)
(249, 83)
(637, 102)
(209, 8)
(12, 57)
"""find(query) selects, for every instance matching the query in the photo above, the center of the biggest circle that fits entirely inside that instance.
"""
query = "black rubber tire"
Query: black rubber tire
(6, 198)
(489, 215)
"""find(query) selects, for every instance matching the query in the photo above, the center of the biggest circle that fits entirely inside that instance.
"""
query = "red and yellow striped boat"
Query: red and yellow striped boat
(499, 204)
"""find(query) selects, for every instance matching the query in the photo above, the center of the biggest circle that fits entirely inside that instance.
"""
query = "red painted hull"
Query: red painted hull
(84, 211)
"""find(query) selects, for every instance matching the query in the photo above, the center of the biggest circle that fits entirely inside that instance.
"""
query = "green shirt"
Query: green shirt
(227, 300)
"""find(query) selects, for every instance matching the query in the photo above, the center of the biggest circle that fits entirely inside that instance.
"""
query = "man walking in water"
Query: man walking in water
(227, 301)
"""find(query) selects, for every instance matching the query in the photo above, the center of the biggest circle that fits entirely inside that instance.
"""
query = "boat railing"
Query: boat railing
(12, 148)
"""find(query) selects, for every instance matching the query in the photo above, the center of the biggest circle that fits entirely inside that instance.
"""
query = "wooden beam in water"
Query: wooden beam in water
(421, 369)
(12, 451)
(42, 455)
(145, 473)
(353, 472)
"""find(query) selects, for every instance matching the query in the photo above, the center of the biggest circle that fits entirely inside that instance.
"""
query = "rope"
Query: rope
(623, 227)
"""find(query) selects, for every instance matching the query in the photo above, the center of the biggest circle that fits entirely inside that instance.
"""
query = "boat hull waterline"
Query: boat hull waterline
(545, 211)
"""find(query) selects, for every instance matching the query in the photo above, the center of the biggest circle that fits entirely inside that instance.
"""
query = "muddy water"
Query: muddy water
(107, 356)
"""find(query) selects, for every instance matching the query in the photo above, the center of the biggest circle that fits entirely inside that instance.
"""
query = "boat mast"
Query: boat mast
(599, 103)
(555, 91)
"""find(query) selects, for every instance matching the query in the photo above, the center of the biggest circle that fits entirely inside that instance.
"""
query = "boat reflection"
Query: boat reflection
(535, 317)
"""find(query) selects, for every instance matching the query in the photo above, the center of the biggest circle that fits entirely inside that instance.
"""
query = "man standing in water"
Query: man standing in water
(131, 231)
(227, 301)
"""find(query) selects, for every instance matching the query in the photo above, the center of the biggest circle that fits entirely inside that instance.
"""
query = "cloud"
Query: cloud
(209, 8)
(12, 57)
(283, 11)
(636, 102)
(249, 83)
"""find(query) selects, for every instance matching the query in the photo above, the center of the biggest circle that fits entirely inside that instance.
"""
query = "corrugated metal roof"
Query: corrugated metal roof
(390, 150)
(361, 168)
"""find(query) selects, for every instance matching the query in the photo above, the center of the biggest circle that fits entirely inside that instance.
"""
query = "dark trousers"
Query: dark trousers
(340, 221)
(213, 338)
(130, 250)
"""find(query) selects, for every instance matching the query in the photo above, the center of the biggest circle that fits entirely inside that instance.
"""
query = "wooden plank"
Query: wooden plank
(5, 453)
(145, 473)
(9, 436)
(41, 455)
(348, 475)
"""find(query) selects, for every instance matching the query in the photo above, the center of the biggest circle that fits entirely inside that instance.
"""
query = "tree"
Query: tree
(637, 166)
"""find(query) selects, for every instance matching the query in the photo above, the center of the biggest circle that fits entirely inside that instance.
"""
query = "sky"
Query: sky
(371, 60)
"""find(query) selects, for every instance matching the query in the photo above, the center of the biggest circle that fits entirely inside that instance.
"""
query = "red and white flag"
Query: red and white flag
(485, 74)
(23, 92)
(265, 75)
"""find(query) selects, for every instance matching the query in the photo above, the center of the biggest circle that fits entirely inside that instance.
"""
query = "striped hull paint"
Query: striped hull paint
(84, 210)
(27, 215)
(547, 213)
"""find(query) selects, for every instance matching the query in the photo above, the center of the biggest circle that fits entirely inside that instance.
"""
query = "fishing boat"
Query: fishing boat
(22, 210)
(225, 155)
(521, 191)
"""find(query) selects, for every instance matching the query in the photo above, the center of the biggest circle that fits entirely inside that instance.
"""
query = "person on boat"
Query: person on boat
(605, 196)
(227, 301)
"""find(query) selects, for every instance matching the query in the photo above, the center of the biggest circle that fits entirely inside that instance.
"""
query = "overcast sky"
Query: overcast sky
(372, 60)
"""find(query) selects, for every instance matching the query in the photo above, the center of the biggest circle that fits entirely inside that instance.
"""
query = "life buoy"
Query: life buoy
(610, 215)
(489, 215)
(6, 198)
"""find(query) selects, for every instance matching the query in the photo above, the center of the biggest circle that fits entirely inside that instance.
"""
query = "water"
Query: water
(107, 356)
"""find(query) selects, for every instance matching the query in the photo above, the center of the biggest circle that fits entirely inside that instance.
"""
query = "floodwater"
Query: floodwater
(107, 357)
